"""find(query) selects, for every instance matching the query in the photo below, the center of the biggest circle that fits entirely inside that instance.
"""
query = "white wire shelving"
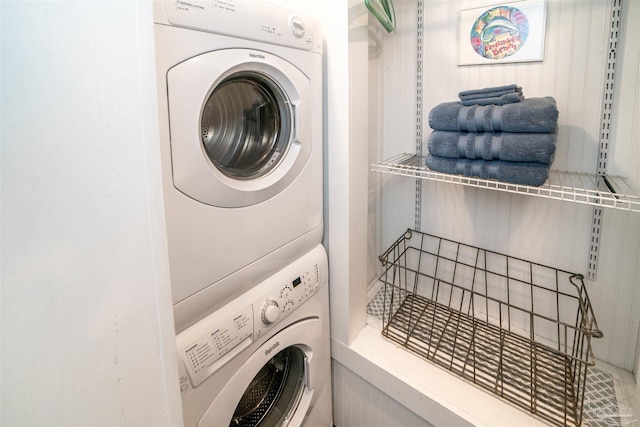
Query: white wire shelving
(589, 189)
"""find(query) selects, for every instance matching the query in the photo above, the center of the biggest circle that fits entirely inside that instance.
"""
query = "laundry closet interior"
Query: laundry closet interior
(590, 67)
(109, 291)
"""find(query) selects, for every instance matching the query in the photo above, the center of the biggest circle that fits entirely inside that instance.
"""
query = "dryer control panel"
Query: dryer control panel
(248, 19)
(215, 340)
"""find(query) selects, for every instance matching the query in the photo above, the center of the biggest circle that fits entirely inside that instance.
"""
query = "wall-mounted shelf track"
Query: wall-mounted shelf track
(589, 189)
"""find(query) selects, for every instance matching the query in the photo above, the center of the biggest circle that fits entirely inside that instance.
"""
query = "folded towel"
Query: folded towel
(533, 115)
(489, 92)
(507, 98)
(534, 174)
(513, 147)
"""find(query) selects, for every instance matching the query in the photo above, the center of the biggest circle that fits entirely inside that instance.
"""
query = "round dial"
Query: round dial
(270, 312)
(296, 24)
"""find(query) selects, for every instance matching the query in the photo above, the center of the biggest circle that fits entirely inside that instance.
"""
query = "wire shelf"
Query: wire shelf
(589, 189)
(517, 329)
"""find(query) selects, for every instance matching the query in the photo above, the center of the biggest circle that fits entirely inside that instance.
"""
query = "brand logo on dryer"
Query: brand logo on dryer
(273, 347)
(256, 55)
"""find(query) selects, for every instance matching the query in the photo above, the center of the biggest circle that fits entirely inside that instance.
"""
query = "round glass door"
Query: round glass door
(274, 393)
(246, 125)
(240, 128)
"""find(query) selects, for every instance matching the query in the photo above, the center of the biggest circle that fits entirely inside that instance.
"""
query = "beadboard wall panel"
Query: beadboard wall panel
(624, 158)
(616, 292)
(357, 403)
(572, 71)
(550, 232)
(395, 65)
(546, 231)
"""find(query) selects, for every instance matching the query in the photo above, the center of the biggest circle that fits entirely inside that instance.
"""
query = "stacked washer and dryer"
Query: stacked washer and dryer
(240, 107)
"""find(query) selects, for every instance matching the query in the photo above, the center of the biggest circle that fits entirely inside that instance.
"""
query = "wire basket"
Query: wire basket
(517, 329)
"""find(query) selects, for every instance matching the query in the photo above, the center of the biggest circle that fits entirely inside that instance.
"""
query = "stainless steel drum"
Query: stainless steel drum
(274, 393)
(246, 125)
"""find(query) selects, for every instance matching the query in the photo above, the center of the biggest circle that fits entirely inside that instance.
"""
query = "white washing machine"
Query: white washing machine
(263, 359)
(240, 107)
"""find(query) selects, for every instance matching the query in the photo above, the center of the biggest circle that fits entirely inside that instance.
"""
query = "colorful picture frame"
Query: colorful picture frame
(507, 32)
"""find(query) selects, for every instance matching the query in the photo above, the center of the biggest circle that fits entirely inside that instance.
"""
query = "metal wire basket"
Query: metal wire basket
(515, 328)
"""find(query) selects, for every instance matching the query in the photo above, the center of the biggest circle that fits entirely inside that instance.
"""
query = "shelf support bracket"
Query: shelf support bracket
(418, 196)
(605, 126)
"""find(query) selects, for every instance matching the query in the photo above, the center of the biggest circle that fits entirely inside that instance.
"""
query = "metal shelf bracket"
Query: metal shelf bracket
(418, 197)
(605, 126)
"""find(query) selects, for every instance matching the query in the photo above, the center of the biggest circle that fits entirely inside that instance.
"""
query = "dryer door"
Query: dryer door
(272, 388)
(239, 124)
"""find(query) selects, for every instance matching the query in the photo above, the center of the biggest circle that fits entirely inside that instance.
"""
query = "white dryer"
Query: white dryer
(240, 107)
(263, 359)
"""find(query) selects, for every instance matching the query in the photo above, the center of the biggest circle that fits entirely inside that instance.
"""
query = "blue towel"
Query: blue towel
(489, 92)
(534, 174)
(513, 147)
(498, 95)
(507, 98)
(533, 115)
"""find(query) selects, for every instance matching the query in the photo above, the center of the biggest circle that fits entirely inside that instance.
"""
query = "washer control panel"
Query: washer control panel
(282, 300)
(212, 342)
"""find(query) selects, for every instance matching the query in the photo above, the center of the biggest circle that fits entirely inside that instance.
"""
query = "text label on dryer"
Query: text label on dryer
(256, 55)
(273, 347)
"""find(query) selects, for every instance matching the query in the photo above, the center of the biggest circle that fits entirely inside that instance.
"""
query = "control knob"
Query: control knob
(296, 24)
(270, 312)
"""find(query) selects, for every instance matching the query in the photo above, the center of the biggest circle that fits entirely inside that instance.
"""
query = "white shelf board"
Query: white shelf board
(588, 189)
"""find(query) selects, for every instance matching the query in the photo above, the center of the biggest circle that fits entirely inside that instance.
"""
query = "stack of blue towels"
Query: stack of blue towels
(494, 133)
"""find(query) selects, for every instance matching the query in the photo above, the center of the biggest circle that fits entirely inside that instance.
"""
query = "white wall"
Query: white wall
(549, 232)
(353, 231)
(358, 403)
(552, 232)
(87, 330)
(345, 163)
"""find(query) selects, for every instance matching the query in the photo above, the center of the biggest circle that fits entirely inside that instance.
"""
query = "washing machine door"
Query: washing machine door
(273, 395)
(272, 388)
(239, 124)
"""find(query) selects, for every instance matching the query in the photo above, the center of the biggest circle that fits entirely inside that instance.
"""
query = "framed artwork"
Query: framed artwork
(508, 32)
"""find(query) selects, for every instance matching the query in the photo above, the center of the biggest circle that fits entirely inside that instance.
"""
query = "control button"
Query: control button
(286, 290)
(270, 312)
(296, 24)
(288, 306)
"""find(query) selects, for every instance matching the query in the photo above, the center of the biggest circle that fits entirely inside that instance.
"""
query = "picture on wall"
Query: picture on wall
(508, 32)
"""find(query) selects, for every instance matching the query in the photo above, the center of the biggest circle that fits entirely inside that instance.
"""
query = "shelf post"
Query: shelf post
(605, 126)
(419, 99)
